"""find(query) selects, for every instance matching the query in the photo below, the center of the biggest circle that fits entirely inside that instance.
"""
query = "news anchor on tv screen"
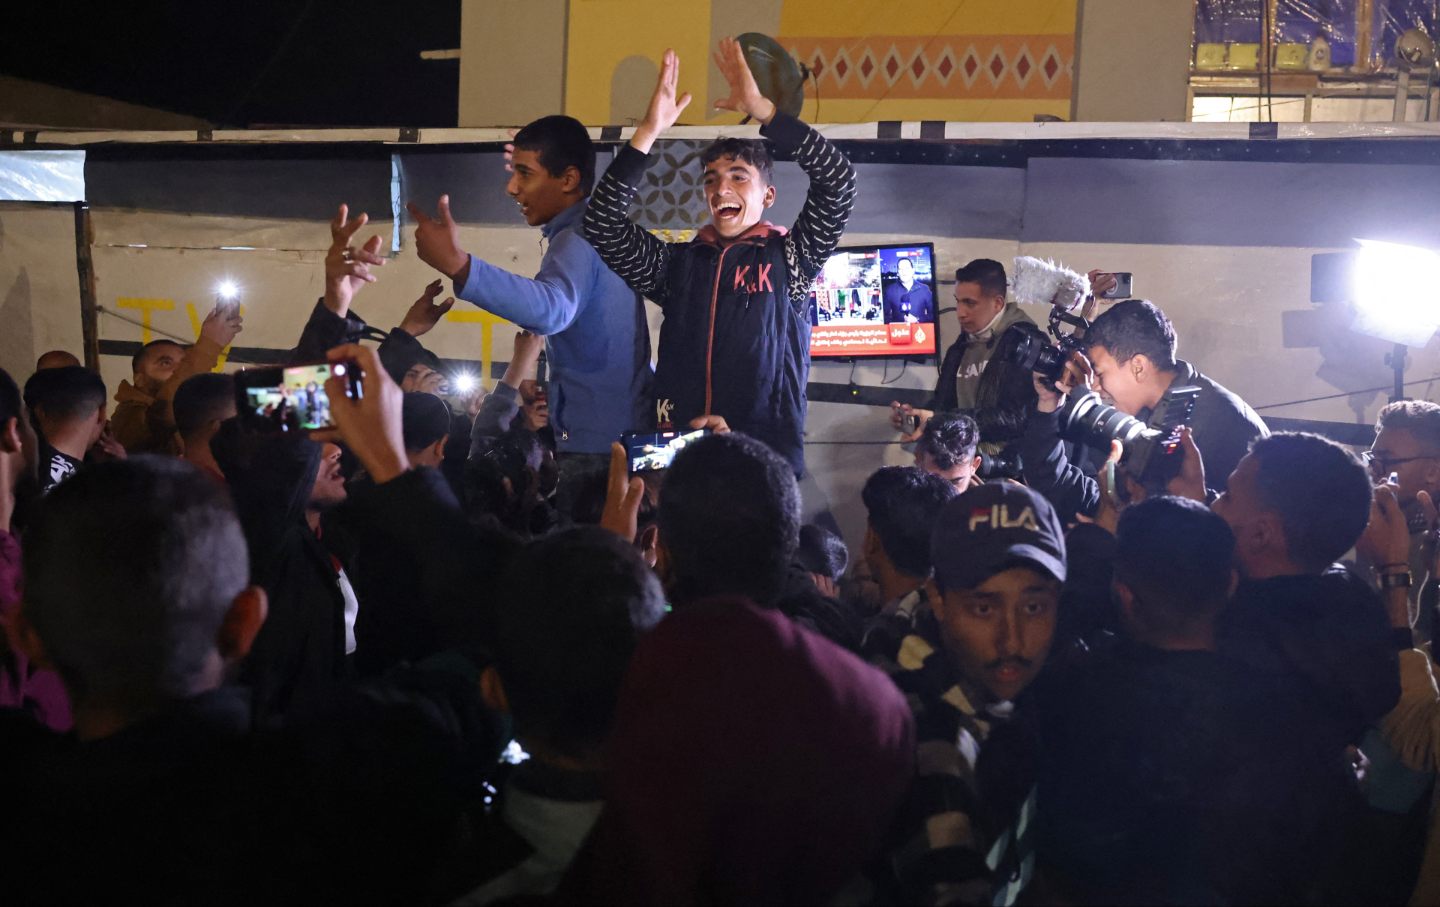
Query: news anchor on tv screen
(875, 301)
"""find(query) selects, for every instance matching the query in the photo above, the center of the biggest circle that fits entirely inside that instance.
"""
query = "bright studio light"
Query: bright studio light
(464, 382)
(1396, 292)
(227, 289)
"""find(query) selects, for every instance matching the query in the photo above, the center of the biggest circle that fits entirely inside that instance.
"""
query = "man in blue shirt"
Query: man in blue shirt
(598, 339)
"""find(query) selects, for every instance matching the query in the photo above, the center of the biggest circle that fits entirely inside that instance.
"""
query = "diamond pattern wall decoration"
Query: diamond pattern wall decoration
(1050, 66)
(892, 66)
(944, 67)
(1023, 66)
(918, 69)
(866, 67)
(995, 68)
(971, 66)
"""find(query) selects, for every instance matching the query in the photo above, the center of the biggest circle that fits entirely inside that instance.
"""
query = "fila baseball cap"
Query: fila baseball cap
(994, 527)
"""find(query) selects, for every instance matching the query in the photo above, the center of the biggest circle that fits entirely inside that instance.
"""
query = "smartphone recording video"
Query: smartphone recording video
(294, 398)
(652, 450)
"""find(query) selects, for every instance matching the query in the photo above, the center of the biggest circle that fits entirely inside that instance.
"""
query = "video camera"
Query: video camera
(1152, 453)
(1065, 291)
(1152, 449)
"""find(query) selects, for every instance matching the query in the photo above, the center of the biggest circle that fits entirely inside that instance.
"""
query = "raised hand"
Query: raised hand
(1386, 540)
(1190, 481)
(371, 426)
(510, 151)
(424, 314)
(623, 493)
(222, 324)
(745, 96)
(1386, 544)
(347, 268)
(665, 108)
(437, 240)
(523, 358)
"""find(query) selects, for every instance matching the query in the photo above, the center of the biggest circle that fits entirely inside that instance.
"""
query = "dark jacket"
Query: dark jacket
(398, 351)
(803, 602)
(946, 397)
(1173, 777)
(349, 804)
(1329, 631)
(415, 548)
(299, 654)
(736, 336)
(1223, 424)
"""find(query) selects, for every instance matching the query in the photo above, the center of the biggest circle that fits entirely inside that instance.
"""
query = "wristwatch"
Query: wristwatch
(1395, 580)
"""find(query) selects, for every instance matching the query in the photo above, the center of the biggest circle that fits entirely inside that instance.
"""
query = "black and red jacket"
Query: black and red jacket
(736, 337)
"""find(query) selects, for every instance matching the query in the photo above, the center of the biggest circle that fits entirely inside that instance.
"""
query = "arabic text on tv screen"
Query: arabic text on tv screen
(875, 301)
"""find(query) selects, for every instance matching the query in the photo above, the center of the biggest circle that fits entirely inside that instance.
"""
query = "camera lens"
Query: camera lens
(1004, 465)
(1031, 352)
(1085, 419)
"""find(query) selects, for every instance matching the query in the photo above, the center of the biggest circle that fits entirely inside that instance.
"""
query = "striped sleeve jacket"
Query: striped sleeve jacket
(736, 336)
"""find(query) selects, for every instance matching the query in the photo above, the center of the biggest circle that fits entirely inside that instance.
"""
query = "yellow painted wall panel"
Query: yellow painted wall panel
(603, 33)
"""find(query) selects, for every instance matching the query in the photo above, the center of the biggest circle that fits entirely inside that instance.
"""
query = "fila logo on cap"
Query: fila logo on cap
(998, 516)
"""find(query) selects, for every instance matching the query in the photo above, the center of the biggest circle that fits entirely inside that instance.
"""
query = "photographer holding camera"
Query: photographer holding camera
(983, 314)
(1129, 356)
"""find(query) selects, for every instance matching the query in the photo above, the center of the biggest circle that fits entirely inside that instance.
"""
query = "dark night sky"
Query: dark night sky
(245, 63)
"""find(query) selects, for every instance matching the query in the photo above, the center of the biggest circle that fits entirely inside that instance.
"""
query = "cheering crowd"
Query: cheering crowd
(450, 650)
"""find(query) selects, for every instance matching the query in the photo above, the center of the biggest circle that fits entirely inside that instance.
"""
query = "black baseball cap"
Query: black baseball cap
(994, 527)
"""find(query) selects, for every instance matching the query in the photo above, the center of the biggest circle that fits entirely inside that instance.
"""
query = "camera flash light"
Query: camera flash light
(227, 289)
(338, 369)
(464, 382)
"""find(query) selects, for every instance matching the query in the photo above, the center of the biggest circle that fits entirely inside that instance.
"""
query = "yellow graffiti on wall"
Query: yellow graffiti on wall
(487, 324)
(148, 306)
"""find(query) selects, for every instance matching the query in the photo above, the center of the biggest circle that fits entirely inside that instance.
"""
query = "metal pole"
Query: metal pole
(85, 265)
(1396, 360)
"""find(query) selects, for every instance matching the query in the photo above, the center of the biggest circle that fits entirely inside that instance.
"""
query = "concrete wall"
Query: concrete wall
(512, 62)
(39, 284)
(1133, 61)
